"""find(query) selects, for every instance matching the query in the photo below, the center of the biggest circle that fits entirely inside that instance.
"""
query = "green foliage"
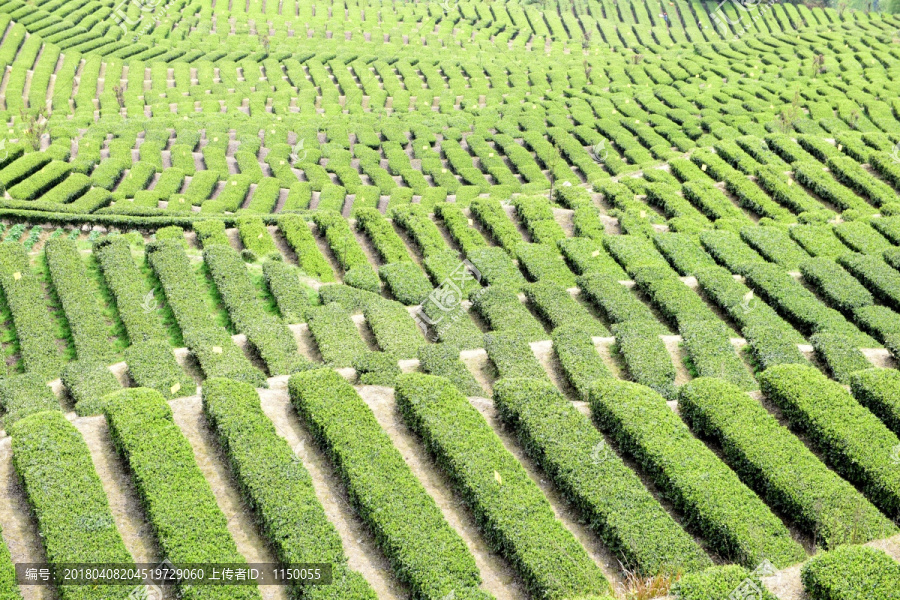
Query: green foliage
(26, 394)
(646, 357)
(511, 510)
(385, 493)
(376, 368)
(879, 391)
(406, 282)
(708, 345)
(734, 521)
(177, 499)
(851, 440)
(839, 355)
(608, 494)
(256, 237)
(511, 356)
(55, 468)
(290, 515)
(719, 582)
(336, 335)
(443, 360)
(209, 232)
(851, 573)
(152, 364)
(776, 464)
(88, 381)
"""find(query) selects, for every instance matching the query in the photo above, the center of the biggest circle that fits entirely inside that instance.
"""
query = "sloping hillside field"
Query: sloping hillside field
(492, 300)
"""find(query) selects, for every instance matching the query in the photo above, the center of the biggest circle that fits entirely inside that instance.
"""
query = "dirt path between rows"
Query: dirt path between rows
(497, 575)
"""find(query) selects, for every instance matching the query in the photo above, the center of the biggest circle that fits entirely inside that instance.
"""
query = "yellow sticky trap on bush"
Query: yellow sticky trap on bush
(498, 478)
(471, 222)
(595, 253)
(175, 388)
(259, 237)
(217, 349)
(17, 276)
(703, 168)
(840, 147)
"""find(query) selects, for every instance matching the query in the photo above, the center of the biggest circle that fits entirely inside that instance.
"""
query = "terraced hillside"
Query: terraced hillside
(468, 300)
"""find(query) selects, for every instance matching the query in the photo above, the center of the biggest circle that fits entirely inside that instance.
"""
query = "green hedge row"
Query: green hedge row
(496, 268)
(543, 262)
(799, 305)
(815, 179)
(782, 190)
(152, 364)
(850, 173)
(406, 282)
(735, 522)
(490, 214)
(683, 252)
(9, 589)
(424, 551)
(511, 356)
(876, 275)
(851, 439)
(512, 512)
(450, 324)
(708, 345)
(818, 240)
(380, 232)
(349, 254)
(586, 256)
(646, 357)
(269, 335)
(376, 368)
(879, 391)
(578, 357)
(35, 331)
(460, 227)
(779, 467)
(336, 335)
(775, 245)
(838, 287)
(68, 501)
(840, 357)
(851, 573)
(298, 236)
(210, 232)
(86, 382)
(615, 301)
(219, 356)
(720, 583)
(674, 299)
(607, 493)
(291, 296)
(177, 499)
(503, 312)
(558, 308)
(288, 511)
(25, 394)
(394, 329)
(859, 236)
(730, 250)
(443, 360)
(78, 297)
(256, 237)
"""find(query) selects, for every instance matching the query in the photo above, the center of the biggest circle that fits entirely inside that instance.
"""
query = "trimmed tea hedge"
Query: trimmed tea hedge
(424, 551)
(778, 466)
(851, 439)
(708, 345)
(88, 381)
(876, 275)
(177, 499)
(839, 355)
(838, 287)
(25, 394)
(288, 511)
(298, 236)
(152, 364)
(219, 356)
(511, 356)
(34, 327)
(443, 360)
(879, 391)
(55, 467)
(609, 495)
(615, 300)
(291, 297)
(558, 308)
(646, 357)
(502, 311)
(578, 357)
(78, 298)
(734, 521)
(336, 335)
(851, 573)
(718, 583)
(511, 511)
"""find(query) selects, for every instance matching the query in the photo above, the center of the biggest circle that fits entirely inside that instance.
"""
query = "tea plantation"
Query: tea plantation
(468, 300)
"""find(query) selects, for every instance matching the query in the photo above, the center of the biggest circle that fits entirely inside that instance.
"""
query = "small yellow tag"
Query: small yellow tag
(471, 222)
(498, 478)
(17, 276)
(703, 168)
(840, 147)
(175, 388)
(259, 237)
(643, 214)
(217, 349)
(790, 182)
(595, 253)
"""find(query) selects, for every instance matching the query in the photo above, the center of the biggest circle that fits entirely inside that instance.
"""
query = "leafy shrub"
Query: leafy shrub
(25, 394)
(291, 296)
(151, 364)
(839, 288)
(54, 465)
(587, 256)
(542, 262)
(615, 301)
(555, 305)
(406, 282)
(851, 573)
(646, 357)
(778, 466)
(177, 499)
(496, 268)
(511, 356)
(443, 360)
(290, 515)
(876, 275)
(708, 345)
(256, 237)
(376, 368)
(719, 582)
(335, 335)
(851, 439)
(731, 517)
(385, 493)
(394, 329)
(511, 510)
(839, 355)
(210, 232)
(502, 311)
(87, 382)
(879, 391)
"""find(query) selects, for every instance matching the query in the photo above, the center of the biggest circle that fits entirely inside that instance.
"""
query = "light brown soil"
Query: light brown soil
(678, 354)
(359, 545)
(601, 556)
(188, 415)
(497, 575)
